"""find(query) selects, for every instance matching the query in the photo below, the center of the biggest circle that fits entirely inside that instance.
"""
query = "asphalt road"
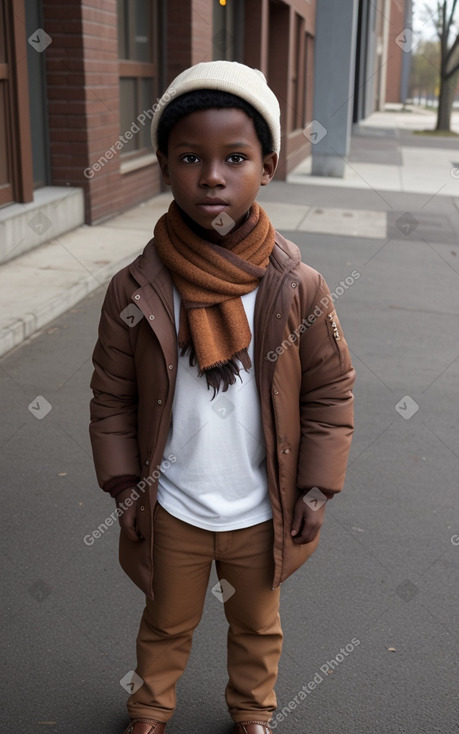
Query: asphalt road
(371, 620)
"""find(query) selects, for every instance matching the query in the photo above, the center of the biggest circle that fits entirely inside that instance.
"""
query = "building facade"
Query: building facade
(399, 58)
(371, 44)
(79, 80)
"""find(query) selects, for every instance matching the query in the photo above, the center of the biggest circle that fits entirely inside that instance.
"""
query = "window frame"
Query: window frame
(140, 70)
(14, 79)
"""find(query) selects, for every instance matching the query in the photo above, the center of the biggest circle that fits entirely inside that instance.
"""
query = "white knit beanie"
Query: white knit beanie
(227, 76)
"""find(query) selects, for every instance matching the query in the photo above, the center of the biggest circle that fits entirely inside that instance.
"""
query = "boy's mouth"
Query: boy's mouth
(212, 205)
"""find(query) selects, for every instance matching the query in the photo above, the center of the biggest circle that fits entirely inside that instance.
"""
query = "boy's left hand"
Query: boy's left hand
(306, 522)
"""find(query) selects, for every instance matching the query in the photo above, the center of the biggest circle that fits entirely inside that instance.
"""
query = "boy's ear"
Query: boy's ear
(162, 160)
(270, 162)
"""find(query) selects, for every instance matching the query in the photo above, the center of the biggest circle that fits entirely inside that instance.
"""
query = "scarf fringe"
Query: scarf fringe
(211, 280)
(221, 375)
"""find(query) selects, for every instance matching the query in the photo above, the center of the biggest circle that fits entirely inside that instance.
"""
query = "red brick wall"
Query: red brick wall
(189, 32)
(83, 87)
(178, 27)
(395, 53)
(281, 69)
(256, 34)
(201, 31)
(83, 107)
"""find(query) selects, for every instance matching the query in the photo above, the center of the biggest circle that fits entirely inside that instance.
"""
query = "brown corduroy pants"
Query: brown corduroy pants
(182, 557)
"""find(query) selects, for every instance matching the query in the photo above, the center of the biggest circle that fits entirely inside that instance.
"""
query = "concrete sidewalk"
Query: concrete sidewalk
(40, 285)
(371, 621)
(389, 153)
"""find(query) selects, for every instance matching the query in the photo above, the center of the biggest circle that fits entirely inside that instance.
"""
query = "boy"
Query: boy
(222, 411)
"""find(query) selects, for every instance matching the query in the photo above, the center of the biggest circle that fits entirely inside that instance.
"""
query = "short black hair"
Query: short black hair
(207, 99)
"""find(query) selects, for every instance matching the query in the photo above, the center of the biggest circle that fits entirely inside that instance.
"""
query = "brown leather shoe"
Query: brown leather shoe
(145, 726)
(252, 727)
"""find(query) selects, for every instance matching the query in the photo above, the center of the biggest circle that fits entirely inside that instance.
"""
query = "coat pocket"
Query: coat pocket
(336, 335)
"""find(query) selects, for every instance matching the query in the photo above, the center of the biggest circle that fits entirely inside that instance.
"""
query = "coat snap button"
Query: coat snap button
(147, 463)
(160, 402)
(171, 366)
(276, 392)
(285, 451)
(294, 285)
(137, 297)
(278, 316)
(151, 317)
(142, 508)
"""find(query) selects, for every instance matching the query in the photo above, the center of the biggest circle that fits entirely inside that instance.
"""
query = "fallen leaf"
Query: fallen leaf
(392, 649)
(62, 474)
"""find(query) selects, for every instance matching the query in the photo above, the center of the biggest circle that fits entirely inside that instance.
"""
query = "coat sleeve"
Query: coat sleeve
(113, 408)
(326, 401)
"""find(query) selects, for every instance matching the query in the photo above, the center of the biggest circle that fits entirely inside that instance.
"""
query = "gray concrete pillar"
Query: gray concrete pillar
(334, 74)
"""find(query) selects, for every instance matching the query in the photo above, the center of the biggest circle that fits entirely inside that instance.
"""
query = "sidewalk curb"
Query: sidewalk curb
(16, 333)
(87, 258)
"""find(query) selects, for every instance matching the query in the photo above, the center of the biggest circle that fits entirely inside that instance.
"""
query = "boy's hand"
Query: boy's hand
(127, 520)
(306, 521)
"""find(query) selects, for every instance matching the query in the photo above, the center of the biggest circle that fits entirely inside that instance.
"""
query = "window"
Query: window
(138, 52)
(227, 37)
(16, 171)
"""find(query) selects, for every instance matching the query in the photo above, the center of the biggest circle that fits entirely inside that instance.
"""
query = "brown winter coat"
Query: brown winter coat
(304, 389)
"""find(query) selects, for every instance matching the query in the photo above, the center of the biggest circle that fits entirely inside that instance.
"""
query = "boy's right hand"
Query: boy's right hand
(127, 519)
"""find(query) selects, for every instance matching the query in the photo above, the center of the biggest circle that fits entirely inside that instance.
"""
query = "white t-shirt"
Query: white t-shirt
(218, 480)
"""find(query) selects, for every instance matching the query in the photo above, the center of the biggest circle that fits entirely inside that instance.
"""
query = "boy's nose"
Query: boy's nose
(212, 175)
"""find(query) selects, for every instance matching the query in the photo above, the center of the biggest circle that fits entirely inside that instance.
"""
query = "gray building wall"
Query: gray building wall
(334, 79)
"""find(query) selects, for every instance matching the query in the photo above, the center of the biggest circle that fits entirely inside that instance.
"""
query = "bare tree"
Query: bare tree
(449, 59)
(424, 71)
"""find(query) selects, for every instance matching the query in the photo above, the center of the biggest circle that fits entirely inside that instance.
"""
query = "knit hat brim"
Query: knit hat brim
(227, 76)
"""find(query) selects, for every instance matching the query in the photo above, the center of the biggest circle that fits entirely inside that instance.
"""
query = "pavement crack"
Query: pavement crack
(377, 251)
(440, 439)
(352, 461)
(441, 373)
(440, 256)
(370, 370)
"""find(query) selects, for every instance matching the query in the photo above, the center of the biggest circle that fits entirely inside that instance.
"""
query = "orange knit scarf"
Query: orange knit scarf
(211, 279)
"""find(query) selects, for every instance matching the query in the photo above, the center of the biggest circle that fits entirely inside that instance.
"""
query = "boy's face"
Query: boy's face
(215, 164)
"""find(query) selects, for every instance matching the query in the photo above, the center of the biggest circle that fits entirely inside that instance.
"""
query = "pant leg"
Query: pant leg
(255, 633)
(182, 559)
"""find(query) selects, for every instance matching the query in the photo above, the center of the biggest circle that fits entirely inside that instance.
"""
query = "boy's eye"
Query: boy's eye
(236, 158)
(190, 158)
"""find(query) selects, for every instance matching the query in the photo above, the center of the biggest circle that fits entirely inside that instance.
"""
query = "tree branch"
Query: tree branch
(453, 52)
(444, 35)
(451, 17)
(453, 71)
(435, 17)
